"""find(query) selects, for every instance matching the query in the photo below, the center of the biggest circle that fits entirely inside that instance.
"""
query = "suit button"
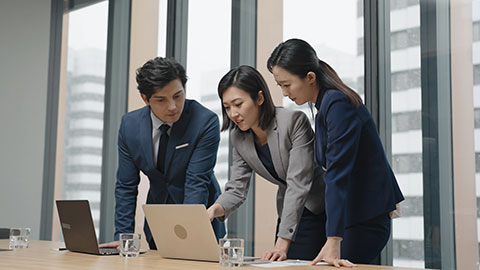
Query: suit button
(290, 230)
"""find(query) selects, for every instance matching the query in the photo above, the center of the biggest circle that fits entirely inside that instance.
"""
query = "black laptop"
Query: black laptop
(78, 229)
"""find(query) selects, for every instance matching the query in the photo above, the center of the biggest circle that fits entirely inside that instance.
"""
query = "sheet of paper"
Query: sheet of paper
(286, 263)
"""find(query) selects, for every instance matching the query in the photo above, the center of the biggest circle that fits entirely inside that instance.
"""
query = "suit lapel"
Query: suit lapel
(250, 154)
(274, 146)
(146, 137)
(179, 130)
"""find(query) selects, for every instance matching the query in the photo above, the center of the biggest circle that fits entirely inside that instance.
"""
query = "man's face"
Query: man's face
(167, 103)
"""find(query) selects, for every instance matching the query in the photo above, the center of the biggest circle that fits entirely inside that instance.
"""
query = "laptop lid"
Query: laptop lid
(182, 231)
(77, 226)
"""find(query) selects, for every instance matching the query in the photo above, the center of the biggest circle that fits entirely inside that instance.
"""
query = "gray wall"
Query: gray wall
(24, 45)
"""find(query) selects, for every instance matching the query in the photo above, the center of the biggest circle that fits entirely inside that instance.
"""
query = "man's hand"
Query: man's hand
(113, 244)
(330, 253)
(279, 252)
(215, 210)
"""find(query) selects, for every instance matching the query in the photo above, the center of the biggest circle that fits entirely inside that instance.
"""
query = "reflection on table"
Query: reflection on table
(45, 255)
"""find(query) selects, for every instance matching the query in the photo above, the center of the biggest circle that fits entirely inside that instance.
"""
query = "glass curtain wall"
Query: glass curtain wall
(208, 59)
(340, 46)
(162, 27)
(406, 97)
(84, 107)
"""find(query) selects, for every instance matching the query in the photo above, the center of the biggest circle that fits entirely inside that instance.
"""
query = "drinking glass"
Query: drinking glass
(19, 237)
(231, 252)
(129, 245)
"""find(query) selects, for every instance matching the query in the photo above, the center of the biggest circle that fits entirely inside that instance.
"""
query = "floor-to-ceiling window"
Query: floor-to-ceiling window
(83, 107)
(208, 59)
(408, 247)
(340, 46)
(162, 27)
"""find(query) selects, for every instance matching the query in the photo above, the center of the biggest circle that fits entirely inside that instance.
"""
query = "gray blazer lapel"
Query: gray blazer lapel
(247, 149)
(274, 145)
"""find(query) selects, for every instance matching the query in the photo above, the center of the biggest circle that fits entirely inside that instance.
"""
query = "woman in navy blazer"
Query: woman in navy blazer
(361, 189)
(277, 144)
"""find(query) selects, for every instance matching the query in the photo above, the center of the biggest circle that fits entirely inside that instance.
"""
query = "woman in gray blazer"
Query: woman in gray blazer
(278, 145)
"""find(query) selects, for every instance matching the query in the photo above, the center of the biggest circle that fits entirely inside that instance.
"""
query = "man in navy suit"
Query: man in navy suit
(173, 141)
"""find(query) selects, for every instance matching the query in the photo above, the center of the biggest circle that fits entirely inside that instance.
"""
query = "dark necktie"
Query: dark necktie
(162, 147)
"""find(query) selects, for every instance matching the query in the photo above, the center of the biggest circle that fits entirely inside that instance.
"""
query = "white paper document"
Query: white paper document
(286, 263)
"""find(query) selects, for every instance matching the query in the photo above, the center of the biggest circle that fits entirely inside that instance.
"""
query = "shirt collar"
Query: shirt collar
(156, 123)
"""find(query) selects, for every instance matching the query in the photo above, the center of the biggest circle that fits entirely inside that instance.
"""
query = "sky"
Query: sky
(329, 23)
(87, 27)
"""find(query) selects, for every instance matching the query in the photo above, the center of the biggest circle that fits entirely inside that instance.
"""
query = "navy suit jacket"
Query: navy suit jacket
(190, 157)
(359, 182)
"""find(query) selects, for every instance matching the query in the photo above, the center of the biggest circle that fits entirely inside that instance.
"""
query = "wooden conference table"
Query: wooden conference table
(42, 255)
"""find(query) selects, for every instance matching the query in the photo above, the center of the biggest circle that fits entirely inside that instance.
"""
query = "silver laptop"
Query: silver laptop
(78, 229)
(182, 231)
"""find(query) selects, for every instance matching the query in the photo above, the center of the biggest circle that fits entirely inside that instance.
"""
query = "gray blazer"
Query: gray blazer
(291, 142)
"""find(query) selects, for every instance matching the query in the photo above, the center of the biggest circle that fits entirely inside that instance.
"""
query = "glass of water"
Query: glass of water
(19, 237)
(129, 245)
(231, 252)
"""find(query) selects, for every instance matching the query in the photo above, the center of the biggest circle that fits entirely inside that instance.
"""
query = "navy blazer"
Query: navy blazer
(359, 181)
(190, 158)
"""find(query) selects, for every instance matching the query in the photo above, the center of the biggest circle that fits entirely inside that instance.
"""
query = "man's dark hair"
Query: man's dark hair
(157, 73)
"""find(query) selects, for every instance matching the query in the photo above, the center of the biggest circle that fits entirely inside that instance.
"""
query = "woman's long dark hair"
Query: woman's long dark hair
(298, 57)
(251, 81)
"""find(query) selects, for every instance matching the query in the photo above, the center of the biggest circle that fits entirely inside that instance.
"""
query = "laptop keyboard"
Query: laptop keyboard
(109, 251)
